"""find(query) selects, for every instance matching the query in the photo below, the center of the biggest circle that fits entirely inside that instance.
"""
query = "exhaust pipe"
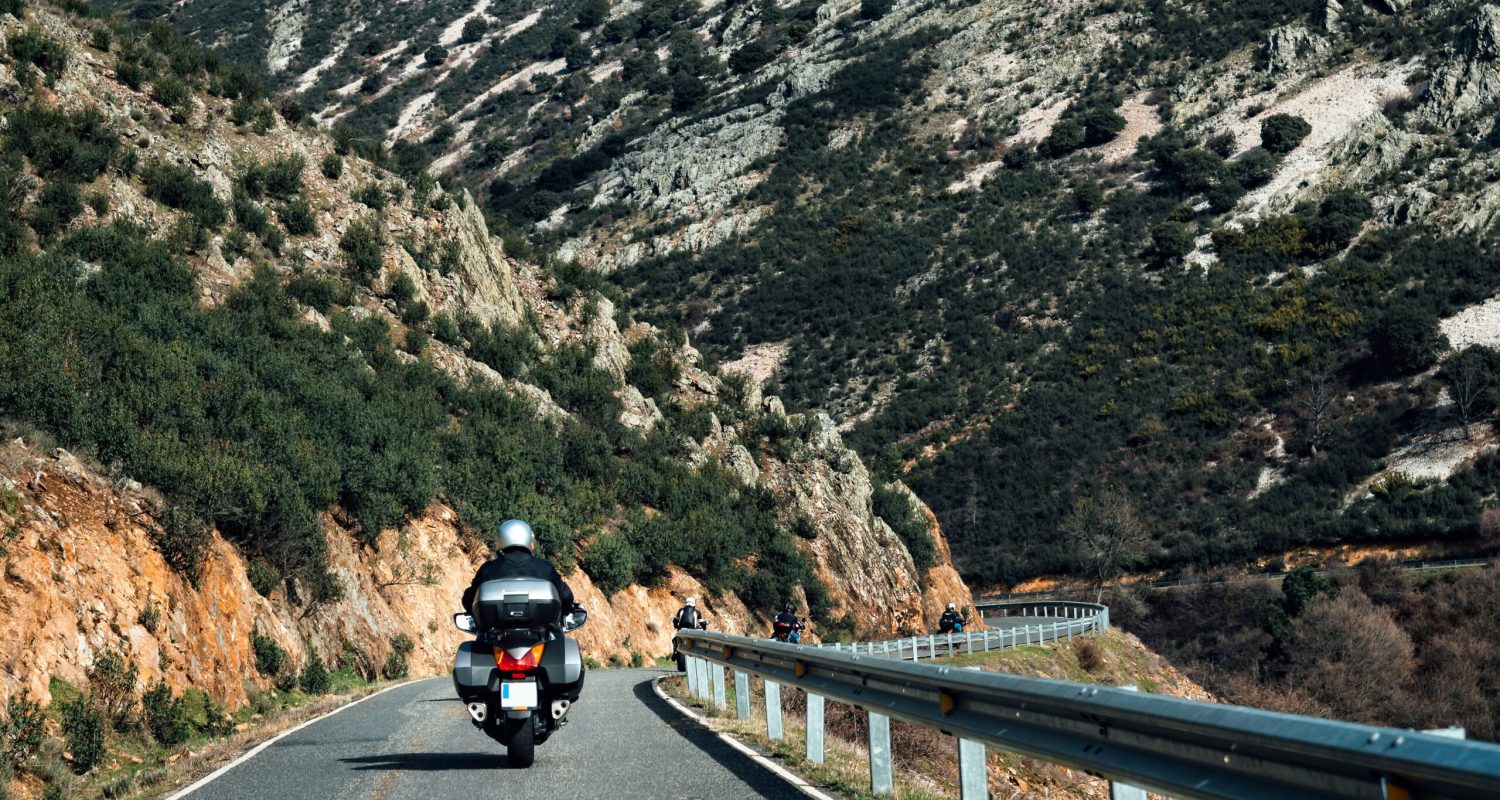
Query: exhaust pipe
(560, 708)
(479, 711)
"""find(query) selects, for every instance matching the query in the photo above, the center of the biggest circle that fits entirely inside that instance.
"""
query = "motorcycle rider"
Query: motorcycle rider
(951, 621)
(517, 560)
(688, 616)
(787, 626)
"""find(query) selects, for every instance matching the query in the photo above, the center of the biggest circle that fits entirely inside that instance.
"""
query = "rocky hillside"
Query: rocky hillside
(1163, 255)
(260, 389)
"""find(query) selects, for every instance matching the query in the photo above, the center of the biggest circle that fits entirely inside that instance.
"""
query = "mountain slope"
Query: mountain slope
(303, 389)
(1157, 250)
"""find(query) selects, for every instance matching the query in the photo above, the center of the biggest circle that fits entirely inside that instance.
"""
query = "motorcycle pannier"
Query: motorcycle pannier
(516, 603)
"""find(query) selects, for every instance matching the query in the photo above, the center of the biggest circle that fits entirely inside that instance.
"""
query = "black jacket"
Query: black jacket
(518, 563)
(686, 618)
(951, 618)
(788, 618)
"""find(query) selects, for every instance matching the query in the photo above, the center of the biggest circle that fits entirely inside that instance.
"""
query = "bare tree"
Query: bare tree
(1470, 379)
(1107, 535)
(1318, 403)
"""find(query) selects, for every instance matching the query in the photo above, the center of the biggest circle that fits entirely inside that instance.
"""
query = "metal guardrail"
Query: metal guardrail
(1176, 747)
(1060, 620)
(1169, 583)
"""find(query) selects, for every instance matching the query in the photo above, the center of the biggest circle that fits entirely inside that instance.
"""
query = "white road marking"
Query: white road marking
(797, 781)
(255, 751)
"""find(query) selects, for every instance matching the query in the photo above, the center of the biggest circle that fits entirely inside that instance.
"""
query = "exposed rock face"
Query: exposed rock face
(1290, 47)
(1332, 12)
(1468, 81)
(1390, 6)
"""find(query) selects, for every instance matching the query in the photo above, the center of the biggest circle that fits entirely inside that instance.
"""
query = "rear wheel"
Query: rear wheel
(521, 752)
(681, 663)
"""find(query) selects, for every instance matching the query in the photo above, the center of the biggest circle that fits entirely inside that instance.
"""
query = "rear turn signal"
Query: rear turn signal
(524, 659)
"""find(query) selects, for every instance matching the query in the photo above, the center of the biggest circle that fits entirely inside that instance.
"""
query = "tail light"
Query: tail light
(528, 660)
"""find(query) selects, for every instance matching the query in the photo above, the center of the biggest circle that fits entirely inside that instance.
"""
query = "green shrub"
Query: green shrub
(332, 166)
(363, 244)
(270, 659)
(36, 48)
(320, 292)
(263, 579)
(1171, 241)
(435, 55)
(179, 188)
(22, 730)
(112, 680)
(297, 217)
(165, 718)
(372, 195)
(171, 92)
(652, 369)
(184, 542)
(874, 9)
(77, 146)
(149, 617)
(280, 179)
(57, 205)
(1407, 339)
(1281, 133)
(15, 8)
(612, 562)
(896, 509)
(395, 667)
(315, 678)
(83, 729)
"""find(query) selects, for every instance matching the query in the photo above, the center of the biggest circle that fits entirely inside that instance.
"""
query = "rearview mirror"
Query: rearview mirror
(465, 623)
(574, 620)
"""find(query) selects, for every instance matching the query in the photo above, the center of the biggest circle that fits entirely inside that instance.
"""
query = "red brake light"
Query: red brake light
(530, 659)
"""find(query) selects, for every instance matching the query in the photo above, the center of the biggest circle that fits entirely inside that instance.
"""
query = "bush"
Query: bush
(58, 204)
(874, 9)
(15, 8)
(751, 57)
(263, 579)
(184, 542)
(332, 166)
(171, 92)
(281, 179)
(896, 509)
(474, 29)
(435, 55)
(1407, 339)
(297, 217)
(164, 716)
(179, 188)
(83, 729)
(270, 659)
(22, 731)
(112, 680)
(612, 562)
(1171, 242)
(364, 246)
(395, 662)
(36, 48)
(372, 195)
(1281, 133)
(77, 146)
(315, 678)
(652, 369)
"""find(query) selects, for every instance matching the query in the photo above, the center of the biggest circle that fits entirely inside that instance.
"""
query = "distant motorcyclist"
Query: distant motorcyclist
(787, 627)
(951, 621)
(516, 560)
(689, 617)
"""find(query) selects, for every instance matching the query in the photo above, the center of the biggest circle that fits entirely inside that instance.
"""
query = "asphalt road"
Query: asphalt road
(416, 742)
(1006, 623)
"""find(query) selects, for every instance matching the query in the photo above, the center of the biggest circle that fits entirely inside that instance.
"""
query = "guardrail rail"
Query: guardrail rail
(1055, 620)
(1176, 747)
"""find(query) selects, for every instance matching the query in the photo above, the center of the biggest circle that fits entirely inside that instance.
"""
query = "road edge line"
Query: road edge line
(797, 781)
(256, 750)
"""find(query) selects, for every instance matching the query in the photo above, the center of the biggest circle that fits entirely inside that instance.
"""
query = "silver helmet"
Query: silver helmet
(692, 602)
(516, 533)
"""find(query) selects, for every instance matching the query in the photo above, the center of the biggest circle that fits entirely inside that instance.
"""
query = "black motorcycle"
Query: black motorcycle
(520, 675)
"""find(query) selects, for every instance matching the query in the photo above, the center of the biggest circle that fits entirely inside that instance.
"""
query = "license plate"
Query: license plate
(518, 695)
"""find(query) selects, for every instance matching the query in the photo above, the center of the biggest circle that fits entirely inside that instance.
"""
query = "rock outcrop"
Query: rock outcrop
(1291, 47)
(1467, 82)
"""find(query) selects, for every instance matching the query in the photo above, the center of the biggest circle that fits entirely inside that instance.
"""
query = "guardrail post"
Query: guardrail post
(718, 672)
(880, 755)
(1122, 791)
(773, 711)
(742, 695)
(815, 728)
(692, 675)
(703, 688)
(973, 774)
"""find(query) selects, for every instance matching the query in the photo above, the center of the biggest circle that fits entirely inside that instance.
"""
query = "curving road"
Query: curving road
(415, 742)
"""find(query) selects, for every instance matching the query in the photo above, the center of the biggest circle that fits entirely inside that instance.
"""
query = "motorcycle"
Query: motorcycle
(787, 631)
(520, 675)
(678, 655)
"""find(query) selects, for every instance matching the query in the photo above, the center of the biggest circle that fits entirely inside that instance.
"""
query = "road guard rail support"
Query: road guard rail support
(1176, 747)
